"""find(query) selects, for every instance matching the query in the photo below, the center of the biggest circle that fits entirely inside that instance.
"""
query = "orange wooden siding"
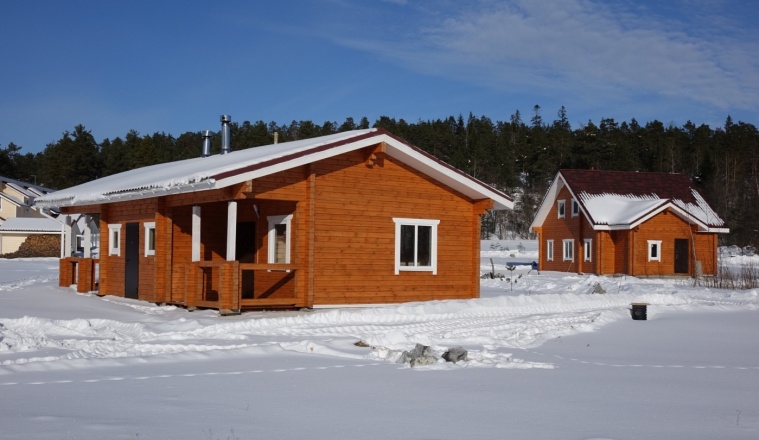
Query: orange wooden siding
(342, 237)
(624, 251)
(354, 233)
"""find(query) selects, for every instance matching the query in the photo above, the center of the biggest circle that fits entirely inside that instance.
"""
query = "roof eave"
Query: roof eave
(125, 196)
(396, 148)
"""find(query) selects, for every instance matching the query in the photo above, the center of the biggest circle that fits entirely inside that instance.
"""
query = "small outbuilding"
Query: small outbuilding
(360, 217)
(620, 222)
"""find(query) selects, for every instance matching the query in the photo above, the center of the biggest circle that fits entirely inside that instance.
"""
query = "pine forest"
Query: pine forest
(520, 156)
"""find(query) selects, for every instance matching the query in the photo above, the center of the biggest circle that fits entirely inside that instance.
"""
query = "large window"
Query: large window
(114, 239)
(415, 245)
(569, 250)
(654, 250)
(549, 250)
(279, 239)
(561, 208)
(150, 238)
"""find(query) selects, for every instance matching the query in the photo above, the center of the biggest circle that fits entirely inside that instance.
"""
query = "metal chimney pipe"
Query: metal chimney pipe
(206, 143)
(225, 134)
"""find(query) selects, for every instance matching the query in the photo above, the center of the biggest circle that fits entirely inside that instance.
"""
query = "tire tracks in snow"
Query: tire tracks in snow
(187, 375)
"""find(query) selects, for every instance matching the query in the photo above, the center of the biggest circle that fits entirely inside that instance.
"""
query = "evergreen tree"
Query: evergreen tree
(74, 159)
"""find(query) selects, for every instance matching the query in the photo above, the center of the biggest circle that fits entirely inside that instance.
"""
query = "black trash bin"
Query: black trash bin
(639, 311)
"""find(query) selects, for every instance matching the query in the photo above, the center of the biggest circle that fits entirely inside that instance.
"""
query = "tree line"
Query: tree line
(517, 156)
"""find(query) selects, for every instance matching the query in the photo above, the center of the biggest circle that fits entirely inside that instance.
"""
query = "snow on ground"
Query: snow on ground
(548, 358)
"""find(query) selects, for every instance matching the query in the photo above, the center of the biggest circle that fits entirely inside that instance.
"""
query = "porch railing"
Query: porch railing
(80, 271)
(233, 286)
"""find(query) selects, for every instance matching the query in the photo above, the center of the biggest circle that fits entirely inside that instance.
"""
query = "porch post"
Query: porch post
(87, 236)
(66, 239)
(231, 230)
(196, 233)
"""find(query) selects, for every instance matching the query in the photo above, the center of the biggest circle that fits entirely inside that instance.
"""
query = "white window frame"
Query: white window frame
(561, 208)
(549, 250)
(654, 244)
(149, 226)
(575, 208)
(79, 242)
(272, 234)
(114, 243)
(433, 244)
(588, 249)
(568, 249)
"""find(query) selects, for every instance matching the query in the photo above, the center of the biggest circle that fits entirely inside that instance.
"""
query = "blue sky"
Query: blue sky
(175, 66)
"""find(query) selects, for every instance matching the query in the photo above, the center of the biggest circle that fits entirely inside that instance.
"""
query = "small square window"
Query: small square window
(561, 208)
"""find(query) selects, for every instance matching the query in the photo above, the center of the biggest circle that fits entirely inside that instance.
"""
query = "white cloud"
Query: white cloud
(580, 47)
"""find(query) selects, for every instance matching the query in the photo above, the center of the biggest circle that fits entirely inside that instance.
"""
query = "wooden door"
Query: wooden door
(682, 259)
(132, 261)
(246, 253)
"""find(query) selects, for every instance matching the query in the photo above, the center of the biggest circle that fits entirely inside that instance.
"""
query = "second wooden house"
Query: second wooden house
(619, 222)
(360, 217)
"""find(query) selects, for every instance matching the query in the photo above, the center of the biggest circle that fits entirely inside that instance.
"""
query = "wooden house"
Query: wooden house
(360, 217)
(619, 222)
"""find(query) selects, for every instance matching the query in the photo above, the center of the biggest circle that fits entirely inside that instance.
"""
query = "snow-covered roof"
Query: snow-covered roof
(32, 187)
(624, 199)
(30, 224)
(11, 199)
(220, 171)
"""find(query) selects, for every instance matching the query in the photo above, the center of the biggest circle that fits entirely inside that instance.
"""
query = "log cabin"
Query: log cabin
(620, 222)
(354, 218)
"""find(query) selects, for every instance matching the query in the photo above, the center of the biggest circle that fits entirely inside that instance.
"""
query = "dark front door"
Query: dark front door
(132, 260)
(681, 256)
(246, 253)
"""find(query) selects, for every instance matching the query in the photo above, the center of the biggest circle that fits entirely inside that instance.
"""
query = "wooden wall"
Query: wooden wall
(342, 234)
(667, 227)
(558, 229)
(112, 273)
(354, 235)
(623, 251)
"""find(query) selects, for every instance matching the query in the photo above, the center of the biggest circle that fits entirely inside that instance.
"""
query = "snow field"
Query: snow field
(547, 359)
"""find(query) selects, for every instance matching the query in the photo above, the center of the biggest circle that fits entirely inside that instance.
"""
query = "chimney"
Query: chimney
(206, 143)
(225, 134)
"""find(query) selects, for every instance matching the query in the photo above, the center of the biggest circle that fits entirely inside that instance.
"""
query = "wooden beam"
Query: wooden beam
(480, 206)
(311, 236)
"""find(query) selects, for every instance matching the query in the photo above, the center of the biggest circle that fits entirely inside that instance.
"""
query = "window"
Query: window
(654, 250)
(149, 238)
(415, 245)
(569, 250)
(80, 243)
(114, 239)
(561, 208)
(549, 250)
(279, 239)
(575, 208)
(588, 249)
